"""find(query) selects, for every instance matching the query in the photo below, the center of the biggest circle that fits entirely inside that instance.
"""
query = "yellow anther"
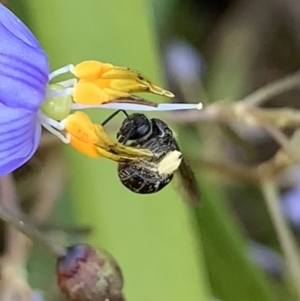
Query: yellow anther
(100, 83)
(92, 140)
(88, 149)
(80, 126)
(88, 93)
(91, 70)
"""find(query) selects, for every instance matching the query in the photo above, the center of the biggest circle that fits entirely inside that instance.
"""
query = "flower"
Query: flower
(24, 77)
(29, 99)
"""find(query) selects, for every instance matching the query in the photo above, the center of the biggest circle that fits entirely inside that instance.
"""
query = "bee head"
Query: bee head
(134, 127)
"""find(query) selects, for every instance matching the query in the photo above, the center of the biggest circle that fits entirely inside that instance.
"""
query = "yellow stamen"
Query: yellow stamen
(131, 75)
(89, 93)
(80, 126)
(91, 70)
(92, 140)
(87, 149)
(100, 83)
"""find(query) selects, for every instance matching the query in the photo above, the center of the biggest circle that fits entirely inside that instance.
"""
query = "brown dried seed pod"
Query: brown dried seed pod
(88, 274)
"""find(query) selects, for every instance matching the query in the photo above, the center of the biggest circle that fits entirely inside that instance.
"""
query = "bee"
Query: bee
(151, 175)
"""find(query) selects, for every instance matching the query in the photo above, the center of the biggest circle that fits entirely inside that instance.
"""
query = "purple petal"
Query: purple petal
(23, 65)
(12, 22)
(20, 134)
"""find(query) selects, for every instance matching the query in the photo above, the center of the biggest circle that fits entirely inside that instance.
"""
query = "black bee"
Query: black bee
(150, 176)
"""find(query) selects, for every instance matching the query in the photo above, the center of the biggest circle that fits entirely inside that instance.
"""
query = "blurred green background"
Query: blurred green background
(168, 251)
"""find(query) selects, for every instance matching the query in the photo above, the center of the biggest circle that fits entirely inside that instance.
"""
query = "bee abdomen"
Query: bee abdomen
(141, 180)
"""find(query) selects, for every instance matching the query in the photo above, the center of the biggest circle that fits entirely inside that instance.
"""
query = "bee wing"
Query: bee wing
(108, 144)
(188, 182)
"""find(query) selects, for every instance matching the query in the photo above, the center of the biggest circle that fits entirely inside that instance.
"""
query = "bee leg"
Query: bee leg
(106, 143)
(109, 118)
(131, 151)
(115, 157)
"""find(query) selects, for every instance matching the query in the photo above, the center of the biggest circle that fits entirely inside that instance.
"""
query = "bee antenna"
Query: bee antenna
(109, 118)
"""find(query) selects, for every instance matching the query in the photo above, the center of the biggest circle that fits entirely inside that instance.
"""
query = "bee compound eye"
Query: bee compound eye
(142, 131)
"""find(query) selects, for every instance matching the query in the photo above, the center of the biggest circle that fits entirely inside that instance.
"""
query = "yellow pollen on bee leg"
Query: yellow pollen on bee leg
(80, 126)
(91, 70)
(170, 163)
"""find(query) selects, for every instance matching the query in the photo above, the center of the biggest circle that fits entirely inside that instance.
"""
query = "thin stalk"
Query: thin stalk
(285, 237)
(273, 89)
(12, 215)
(31, 232)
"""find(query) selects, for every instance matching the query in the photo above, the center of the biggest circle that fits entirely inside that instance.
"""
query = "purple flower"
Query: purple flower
(29, 101)
(24, 77)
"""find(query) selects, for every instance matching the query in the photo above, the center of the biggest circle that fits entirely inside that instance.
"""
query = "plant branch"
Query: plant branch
(20, 223)
(274, 132)
(272, 89)
(286, 240)
(229, 169)
(228, 112)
